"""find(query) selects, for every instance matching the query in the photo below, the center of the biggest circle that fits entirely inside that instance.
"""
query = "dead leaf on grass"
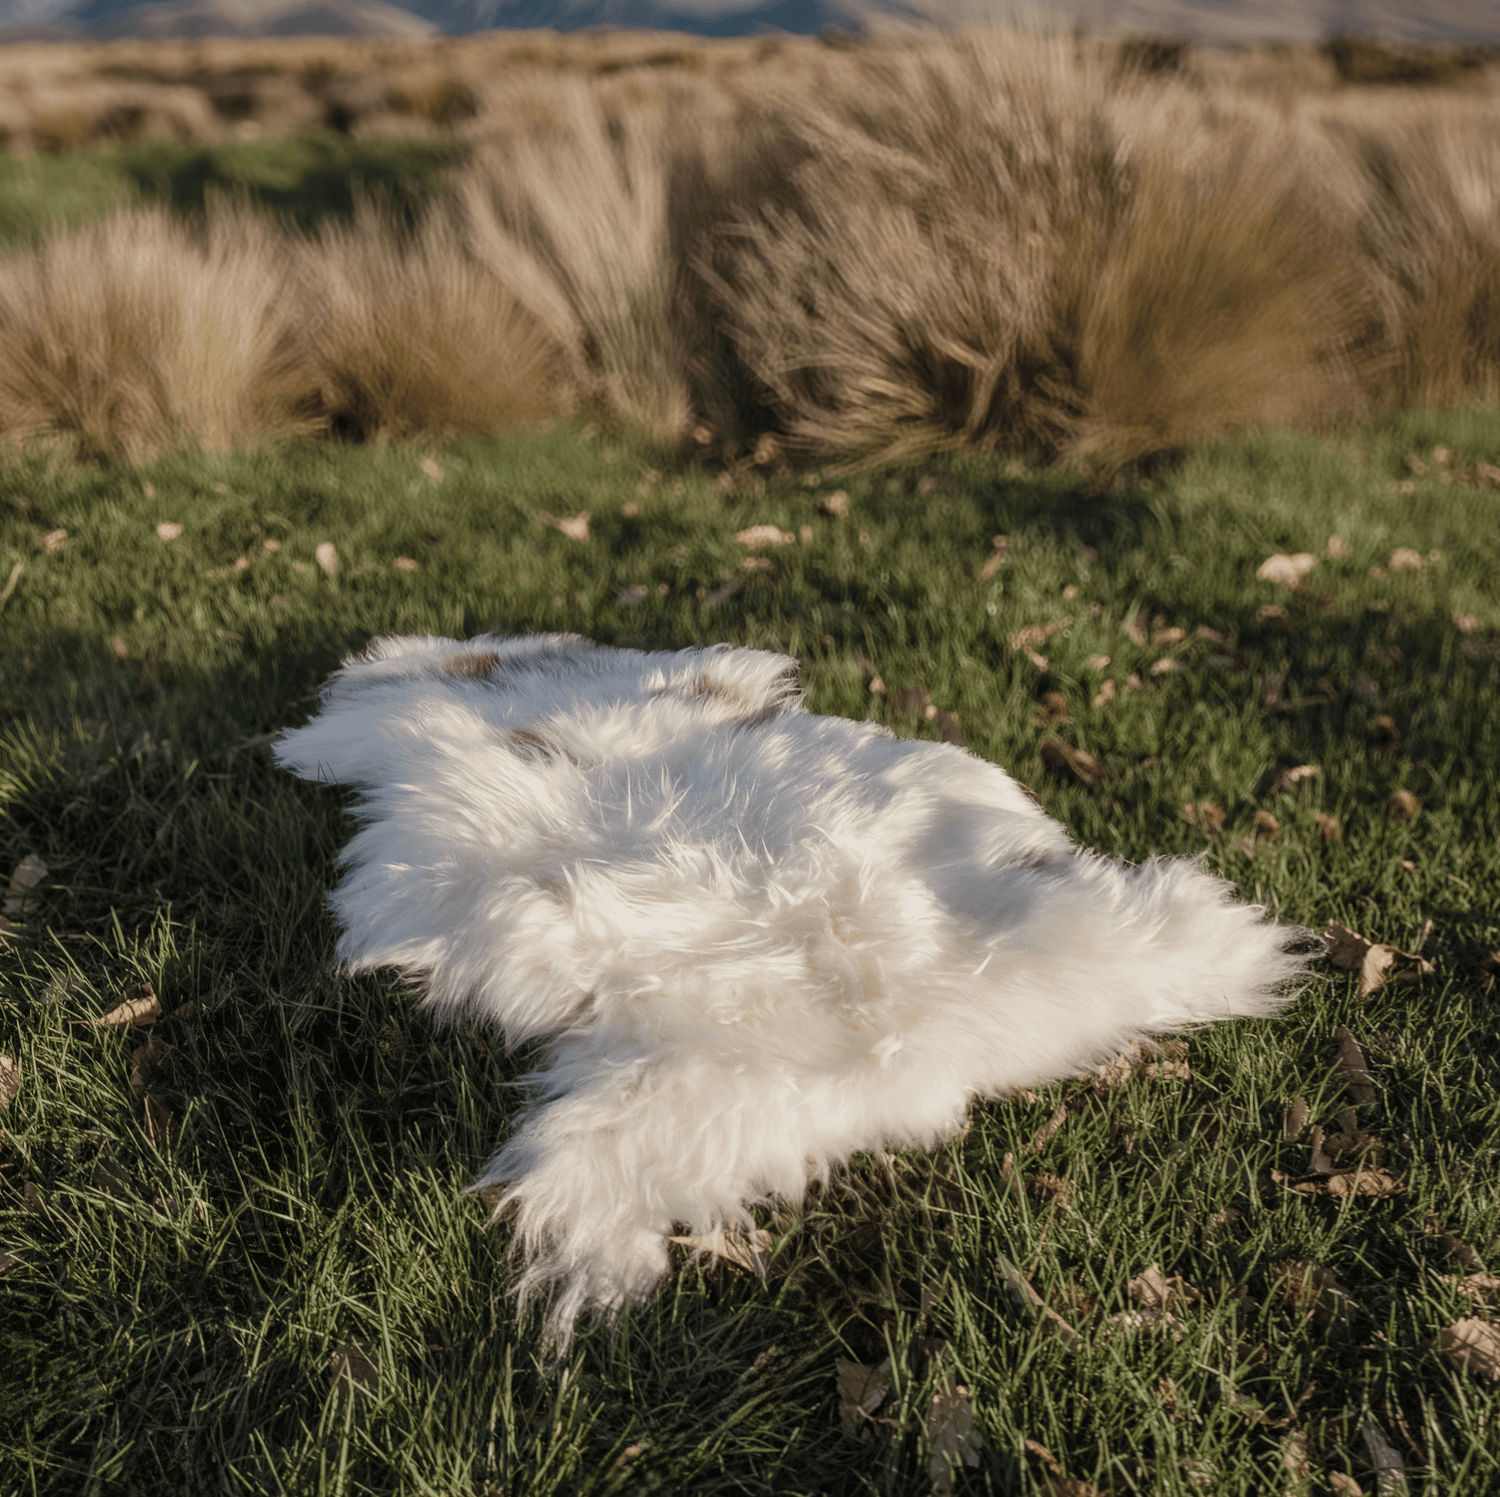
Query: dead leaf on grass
(1052, 1480)
(432, 468)
(10, 1082)
(1376, 962)
(1364, 1184)
(950, 1427)
(1105, 695)
(1038, 634)
(406, 564)
(1337, 548)
(1054, 1190)
(1354, 1068)
(1206, 815)
(731, 1245)
(758, 537)
(1472, 1343)
(1064, 759)
(1264, 827)
(1299, 774)
(1032, 1304)
(327, 558)
(1390, 1469)
(1329, 827)
(861, 1391)
(24, 879)
(1315, 1291)
(1341, 1484)
(140, 1008)
(1482, 1288)
(575, 527)
(1048, 1131)
(1295, 1119)
(1404, 559)
(1402, 805)
(998, 558)
(1152, 1290)
(1286, 570)
(834, 505)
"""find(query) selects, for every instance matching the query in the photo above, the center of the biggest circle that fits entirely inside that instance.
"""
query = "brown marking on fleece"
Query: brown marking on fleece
(530, 744)
(467, 663)
(741, 707)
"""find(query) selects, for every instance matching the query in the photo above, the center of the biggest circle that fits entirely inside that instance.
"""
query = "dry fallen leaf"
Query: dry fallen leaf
(575, 527)
(10, 1082)
(1390, 1469)
(1032, 1304)
(1051, 1480)
(145, 1063)
(1337, 548)
(351, 1371)
(1206, 815)
(1474, 1344)
(1105, 695)
(1038, 634)
(1064, 759)
(24, 878)
(432, 468)
(757, 537)
(916, 699)
(1354, 1068)
(1404, 559)
(140, 1008)
(169, 530)
(54, 540)
(1287, 570)
(1328, 826)
(1152, 1290)
(1264, 827)
(327, 558)
(1299, 774)
(1048, 1131)
(731, 1245)
(406, 564)
(861, 1391)
(950, 1429)
(1295, 1120)
(1375, 962)
(1364, 1184)
(1315, 1291)
(1341, 1484)
(834, 505)
(997, 558)
(1402, 805)
(1483, 1288)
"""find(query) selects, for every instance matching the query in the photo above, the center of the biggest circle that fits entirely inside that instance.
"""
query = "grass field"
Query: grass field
(241, 1260)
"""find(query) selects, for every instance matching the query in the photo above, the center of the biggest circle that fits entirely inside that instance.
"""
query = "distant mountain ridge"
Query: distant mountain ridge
(1213, 21)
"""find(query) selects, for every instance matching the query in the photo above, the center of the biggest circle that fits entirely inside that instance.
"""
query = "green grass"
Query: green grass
(169, 1322)
(301, 178)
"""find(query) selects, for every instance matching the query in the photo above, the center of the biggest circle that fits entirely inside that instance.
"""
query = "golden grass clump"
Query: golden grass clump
(997, 240)
(570, 212)
(141, 333)
(409, 335)
(1020, 245)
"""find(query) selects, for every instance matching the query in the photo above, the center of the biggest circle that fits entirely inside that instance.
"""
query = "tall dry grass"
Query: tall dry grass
(570, 209)
(141, 333)
(993, 241)
(407, 334)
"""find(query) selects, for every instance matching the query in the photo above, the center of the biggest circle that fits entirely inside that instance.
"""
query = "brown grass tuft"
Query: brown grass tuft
(409, 335)
(570, 212)
(141, 333)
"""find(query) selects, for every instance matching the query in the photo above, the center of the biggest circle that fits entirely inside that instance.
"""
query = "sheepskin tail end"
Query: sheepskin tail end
(1209, 956)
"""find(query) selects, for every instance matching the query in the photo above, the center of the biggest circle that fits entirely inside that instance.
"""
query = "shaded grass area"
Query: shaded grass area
(302, 179)
(174, 1306)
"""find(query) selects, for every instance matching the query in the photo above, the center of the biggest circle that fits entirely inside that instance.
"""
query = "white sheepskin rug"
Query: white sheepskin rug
(755, 940)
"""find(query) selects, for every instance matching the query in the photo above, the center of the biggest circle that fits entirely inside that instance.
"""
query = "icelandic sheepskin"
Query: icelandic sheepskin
(755, 939)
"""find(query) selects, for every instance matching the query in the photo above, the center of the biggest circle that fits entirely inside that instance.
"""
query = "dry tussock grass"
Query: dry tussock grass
(409, 335)
(993, 241)
(570, 210)
(140, 333)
